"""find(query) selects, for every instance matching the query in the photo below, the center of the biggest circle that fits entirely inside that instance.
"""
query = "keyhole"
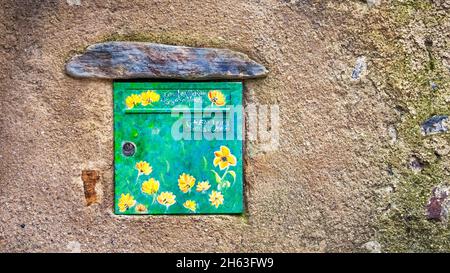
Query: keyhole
(128, 148)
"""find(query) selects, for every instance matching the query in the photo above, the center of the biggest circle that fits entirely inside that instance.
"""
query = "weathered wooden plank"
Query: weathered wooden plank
(132, 60)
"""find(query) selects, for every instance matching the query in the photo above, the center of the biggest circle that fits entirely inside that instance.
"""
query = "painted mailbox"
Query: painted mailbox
(178, 147)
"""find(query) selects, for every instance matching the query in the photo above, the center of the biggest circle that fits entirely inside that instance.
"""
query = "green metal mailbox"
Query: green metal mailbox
(178, 147)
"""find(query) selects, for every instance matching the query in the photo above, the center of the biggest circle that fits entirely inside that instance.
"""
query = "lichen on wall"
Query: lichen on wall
(408, 64)
(403, 46)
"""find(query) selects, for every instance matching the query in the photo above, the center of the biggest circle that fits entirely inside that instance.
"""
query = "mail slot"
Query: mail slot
(178, 147)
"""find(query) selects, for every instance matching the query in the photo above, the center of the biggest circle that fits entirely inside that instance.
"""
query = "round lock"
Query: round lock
(128, 148)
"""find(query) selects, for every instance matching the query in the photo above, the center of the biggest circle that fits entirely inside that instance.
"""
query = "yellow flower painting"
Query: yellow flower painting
(166, 199)
(224, 158)
(141, 208)
(216, 198)
(216, 97)
(203, 186)
(190, 205)
(126, 201)
(186, 182)
(149, 97)
(143, 168)
(161, 170)
(132, 100)
(150, 186)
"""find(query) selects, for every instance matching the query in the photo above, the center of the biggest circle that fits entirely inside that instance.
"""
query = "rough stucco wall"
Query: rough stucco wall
(325, 189)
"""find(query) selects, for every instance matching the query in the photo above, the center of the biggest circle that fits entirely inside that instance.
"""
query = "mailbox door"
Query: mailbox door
(178, 147)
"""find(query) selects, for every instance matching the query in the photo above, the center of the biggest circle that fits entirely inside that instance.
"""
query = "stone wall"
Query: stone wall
(355, 169)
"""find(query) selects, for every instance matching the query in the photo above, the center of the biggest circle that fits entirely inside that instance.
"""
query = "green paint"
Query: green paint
(148, 125)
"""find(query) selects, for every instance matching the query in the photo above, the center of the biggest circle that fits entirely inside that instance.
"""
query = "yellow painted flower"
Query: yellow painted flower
(141, 208)
(166, 198)
(203, 186)
(186, 182)
(216, 198)
(126, 201)
(190, 205)
(224, 158)
(132, 100)
(150, 186)
(216, 97)
(144, 168)
(149, 97)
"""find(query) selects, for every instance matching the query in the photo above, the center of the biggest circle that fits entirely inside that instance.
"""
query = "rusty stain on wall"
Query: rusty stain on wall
(90, 179)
